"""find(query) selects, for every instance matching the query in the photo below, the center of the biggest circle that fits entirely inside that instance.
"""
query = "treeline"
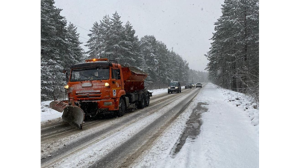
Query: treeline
(234, 53)
(108, 38)
(60, 48)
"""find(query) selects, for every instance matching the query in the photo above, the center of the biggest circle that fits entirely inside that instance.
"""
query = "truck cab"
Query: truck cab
(95, 86)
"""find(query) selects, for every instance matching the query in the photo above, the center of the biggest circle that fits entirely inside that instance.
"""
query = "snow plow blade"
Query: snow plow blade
(58, 105)
(74, 116)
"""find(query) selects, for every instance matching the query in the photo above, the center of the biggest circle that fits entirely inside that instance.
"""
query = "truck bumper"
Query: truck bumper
(107, 104)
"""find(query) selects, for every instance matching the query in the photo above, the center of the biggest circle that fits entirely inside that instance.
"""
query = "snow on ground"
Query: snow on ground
(227, 139)
(47, 114)
(89, 155)
(229, 136)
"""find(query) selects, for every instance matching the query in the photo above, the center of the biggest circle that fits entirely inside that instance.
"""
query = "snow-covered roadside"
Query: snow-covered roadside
(227, 139)
(48, 114)
(245, 103)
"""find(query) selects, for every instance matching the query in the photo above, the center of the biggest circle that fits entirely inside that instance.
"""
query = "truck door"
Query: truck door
(116, 81)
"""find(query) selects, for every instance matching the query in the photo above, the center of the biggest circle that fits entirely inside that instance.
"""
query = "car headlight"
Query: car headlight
(176, 87)
(169, 88)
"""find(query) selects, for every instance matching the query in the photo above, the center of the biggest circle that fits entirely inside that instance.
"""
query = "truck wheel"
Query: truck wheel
(147, 101)
(121, 110)
(141, 103)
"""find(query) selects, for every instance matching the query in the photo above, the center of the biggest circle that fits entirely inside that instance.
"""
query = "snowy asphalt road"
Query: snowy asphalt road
(113, 142)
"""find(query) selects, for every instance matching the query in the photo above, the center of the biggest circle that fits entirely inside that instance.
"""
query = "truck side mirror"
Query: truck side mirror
(67, 76)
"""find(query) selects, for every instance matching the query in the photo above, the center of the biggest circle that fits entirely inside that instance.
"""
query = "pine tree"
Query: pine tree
(233, 56)
(105, 32)
(162, 60)
(75, 52)
(148, 51)
(94, 43)
(129, 44)
(53, 48)
(114, 48)
(60, 48)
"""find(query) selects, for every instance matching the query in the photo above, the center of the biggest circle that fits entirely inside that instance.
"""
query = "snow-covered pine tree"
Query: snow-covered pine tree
(233, 56)
(162, 67)
(94, 43)
(53, 48)
(105, 36)
(149, 52)
(129, 47)
(60, 48)
(114, 48)
(249, 17)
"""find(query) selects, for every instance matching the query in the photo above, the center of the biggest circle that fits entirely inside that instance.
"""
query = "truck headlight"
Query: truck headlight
(66, 86)
(106, 84)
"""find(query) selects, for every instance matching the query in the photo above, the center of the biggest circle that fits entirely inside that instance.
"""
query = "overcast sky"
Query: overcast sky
(184, 25)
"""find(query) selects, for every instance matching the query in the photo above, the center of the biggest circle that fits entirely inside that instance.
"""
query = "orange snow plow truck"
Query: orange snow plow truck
(99, 86)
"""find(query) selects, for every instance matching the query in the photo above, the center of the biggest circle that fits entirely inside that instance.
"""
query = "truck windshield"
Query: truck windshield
(90, 74)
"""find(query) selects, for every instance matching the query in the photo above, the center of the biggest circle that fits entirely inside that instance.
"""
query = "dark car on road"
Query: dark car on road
(174, 86)
(188, 86)
(198, 85)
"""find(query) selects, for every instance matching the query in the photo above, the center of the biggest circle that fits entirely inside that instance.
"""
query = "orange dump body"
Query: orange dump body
(133, 79)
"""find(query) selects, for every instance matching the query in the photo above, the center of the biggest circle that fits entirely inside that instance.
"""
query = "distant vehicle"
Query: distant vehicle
(190, 85)
(193, 84)
(198, 85)
(174, 86)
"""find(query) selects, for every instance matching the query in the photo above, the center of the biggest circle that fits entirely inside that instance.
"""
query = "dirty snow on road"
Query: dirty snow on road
(228, 135)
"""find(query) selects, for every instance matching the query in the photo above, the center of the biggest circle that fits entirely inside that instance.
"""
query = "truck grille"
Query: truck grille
(88, 94)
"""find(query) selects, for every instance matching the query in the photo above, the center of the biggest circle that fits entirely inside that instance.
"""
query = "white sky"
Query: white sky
(229, 135)
(186, 26)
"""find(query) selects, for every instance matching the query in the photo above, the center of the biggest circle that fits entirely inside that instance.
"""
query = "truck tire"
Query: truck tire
(147, 101)
(141, 104)
(121, 110)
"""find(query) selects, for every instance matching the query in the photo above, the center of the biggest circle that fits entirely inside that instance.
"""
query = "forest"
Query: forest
(234, 52)
(233, 55)
(108, 38)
